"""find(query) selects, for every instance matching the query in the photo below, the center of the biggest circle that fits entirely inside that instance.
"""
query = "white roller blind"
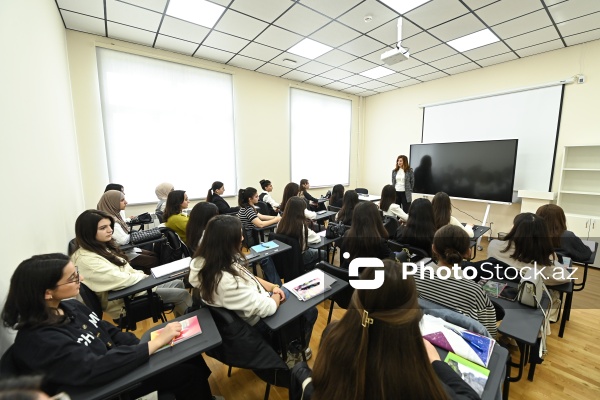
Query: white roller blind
(320, 131)
(165, 122)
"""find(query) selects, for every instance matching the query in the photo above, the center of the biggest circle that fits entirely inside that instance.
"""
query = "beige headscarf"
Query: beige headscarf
(163, 190)
(110, 203)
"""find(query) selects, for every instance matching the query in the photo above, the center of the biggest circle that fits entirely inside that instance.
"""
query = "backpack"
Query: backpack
(172, 249)
(269, 207)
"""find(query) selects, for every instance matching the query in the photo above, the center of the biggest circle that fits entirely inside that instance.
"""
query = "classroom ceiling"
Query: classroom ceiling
(257, 34)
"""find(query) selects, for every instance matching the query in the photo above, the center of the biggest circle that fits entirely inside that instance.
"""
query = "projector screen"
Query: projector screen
(467, 170)
(531, 116)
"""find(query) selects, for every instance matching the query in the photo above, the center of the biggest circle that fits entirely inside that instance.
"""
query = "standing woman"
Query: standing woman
(177, 201)
(67, 342)
(337, 196)
(294, 224)
(265, 196)
(291, 190)
(345, 214)
(564, 241)
(442, 213)
(403, 180)
(214, 196)
(113, 203)
(387, 205)
(199, 217)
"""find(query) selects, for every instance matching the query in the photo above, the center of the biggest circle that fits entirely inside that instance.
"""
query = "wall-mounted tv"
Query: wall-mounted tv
(471, 170)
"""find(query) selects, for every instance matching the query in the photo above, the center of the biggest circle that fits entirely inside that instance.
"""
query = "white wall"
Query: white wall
(261, 107)
(393, 120)
(40, 169)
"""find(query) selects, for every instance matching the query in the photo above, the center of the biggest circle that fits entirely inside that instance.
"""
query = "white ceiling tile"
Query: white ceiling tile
(553, 2)
(289, 56)
(175, 45)
(368, 93)
(245, 62)
(319, 81)
(213, 54)
(487, 51)
(225, 42)
(240, 25)
(337, 85)
(449, 62)
(314, 67)
(436, 12)
(380, 14)
(533, 38)
(432, 76)
(401, 66)
(527, 23)
(507, 9)
(94, 8)
(434, 53)
(356, 80)
(408, 82)
(83, 23)
(273, 69)
(541, 48)
(357, 66)
(388, 33)
(375, 57)
(223, 3)
(154, 5)
(418, 71)
(500, 58)
(334, 34)
(278, 38)
(129, 34)
(361, 46)
(353, 90)
(573, 9)
(301, 20)
(297, 75)
(420, 42)
(395, 78)
(579, 25)
(336, 74)
(133, 16)
(266, 10)
(385, 88)
(462, 68)
(330, 8)
(475, 4)
(181, 29)
(372, 84)
(458, 27)
(583, 37)
(335, 58)
(260, 52)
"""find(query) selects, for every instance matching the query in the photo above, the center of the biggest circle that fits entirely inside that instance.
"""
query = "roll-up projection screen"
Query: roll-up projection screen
(531, 116)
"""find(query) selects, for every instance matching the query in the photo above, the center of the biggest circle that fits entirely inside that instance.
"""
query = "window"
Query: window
(165, 122)
(320, 130)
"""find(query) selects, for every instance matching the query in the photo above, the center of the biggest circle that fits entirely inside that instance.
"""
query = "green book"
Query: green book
(475, 375)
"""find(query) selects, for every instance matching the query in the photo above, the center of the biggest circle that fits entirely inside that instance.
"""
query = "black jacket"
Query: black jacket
(222, 205)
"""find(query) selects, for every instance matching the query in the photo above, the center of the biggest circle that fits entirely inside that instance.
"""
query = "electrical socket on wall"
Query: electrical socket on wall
(580, 78)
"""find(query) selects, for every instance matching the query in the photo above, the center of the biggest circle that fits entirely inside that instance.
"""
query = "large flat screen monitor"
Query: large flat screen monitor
(470, 170)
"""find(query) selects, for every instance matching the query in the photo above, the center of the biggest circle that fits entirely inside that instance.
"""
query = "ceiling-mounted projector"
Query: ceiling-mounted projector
(395, 56)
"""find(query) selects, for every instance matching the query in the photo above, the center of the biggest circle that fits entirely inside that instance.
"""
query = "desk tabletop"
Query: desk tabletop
(521, 322)
(594, 248)
(130, 246)
(264, 228)
(255, 257)
(368, 197)
(145, 284)
(324, 242)
(324, 215)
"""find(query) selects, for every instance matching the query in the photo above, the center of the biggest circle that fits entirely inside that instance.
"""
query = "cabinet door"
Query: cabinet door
(581, 226)
(594, 232)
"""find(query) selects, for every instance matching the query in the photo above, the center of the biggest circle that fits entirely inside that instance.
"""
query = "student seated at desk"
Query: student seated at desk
(63, 339)
(177, 201)
(565, 242)
(442, 213)
(219, 270)
(105, 267)
(376, 350)
(419, 228)
(294, 224)
(337, 196)
(112, 203)
(450, 246)
(162, 192)
(345, 214)
(313, 203)
(214, 196)
(387, 205)
(265, 196)
(292, 190)
(366, 237)
(199, 217)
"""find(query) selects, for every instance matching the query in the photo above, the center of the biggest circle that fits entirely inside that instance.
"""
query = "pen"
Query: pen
(309, 282)
(304, 287)
(173, 342)
(464, 338)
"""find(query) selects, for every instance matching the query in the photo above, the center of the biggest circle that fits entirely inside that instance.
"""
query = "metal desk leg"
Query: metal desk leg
(580, 286)
(506, 386)
(521, 365)
(566, 314)
(533, 363)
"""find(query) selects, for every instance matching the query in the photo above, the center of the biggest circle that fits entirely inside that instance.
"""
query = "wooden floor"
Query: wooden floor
(571, 370)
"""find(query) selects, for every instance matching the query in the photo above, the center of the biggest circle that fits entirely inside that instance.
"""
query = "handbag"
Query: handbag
(335, 230)
(144, 218)
(144, 235)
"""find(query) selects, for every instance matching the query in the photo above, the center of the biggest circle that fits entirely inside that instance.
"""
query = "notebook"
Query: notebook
(475, 375)
(172, 268)
(265, 246)
(309, 285)
(190, 327)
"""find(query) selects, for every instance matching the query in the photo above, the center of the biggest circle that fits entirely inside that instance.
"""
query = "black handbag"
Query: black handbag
(335, 230)
(145, 235)
(144, 218)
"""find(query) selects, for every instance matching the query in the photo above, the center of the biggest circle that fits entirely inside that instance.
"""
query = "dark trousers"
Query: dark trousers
(402, 202)
(145, 261)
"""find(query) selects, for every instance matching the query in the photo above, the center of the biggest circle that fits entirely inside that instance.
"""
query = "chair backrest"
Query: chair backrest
(416, 253)
(72, 246)
(263, 208)
(334, 209)
(289, 264)
(362, 190)
(391, 225)
(173, 249)
(342, 298)
(90, 299)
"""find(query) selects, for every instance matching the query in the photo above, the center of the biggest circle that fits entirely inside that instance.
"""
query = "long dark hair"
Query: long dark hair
(531, 240)
(220, 248)
(555, 220)
(86, 228)
(290, 190)
(450, 245)
(366, 233)
(293, 222)
(442, 209)
(405, 165)
(114, 186)
(350, 201)
(336, 194)
(26, 306)
(244, 196)
(388, 197)
(199, 217)
(173, 204)
(359, 362)
(211, 192)
(264, 183)
(420, 228)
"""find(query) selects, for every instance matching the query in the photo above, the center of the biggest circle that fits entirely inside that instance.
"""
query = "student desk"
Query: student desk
(594, 247)
(368, 197)
(323, 243)
(130, 246)
(158, 362)
(254, 258)
(478, 231)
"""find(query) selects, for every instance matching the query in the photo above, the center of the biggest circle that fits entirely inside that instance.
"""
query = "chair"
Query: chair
(289, 264)
(173, 249)
(362, 190)
(343, 297)
(90, 299)
(334, 209)
(415, 253)
(72, 246)
(263, 208)
(391, 225)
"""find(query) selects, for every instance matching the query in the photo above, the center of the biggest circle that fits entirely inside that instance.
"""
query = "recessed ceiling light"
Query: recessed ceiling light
(199, 12)
(377, 72)
(404, 6)
(473, 40)
(309, 48)
(289, 61)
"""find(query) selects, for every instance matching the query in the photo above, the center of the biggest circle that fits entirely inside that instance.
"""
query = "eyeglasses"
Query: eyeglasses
(75, 278)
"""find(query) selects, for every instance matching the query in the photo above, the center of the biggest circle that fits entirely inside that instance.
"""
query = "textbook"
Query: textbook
(475, 375)
(189, 328)
(265, 246)
(307, 286)
(172, 268)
